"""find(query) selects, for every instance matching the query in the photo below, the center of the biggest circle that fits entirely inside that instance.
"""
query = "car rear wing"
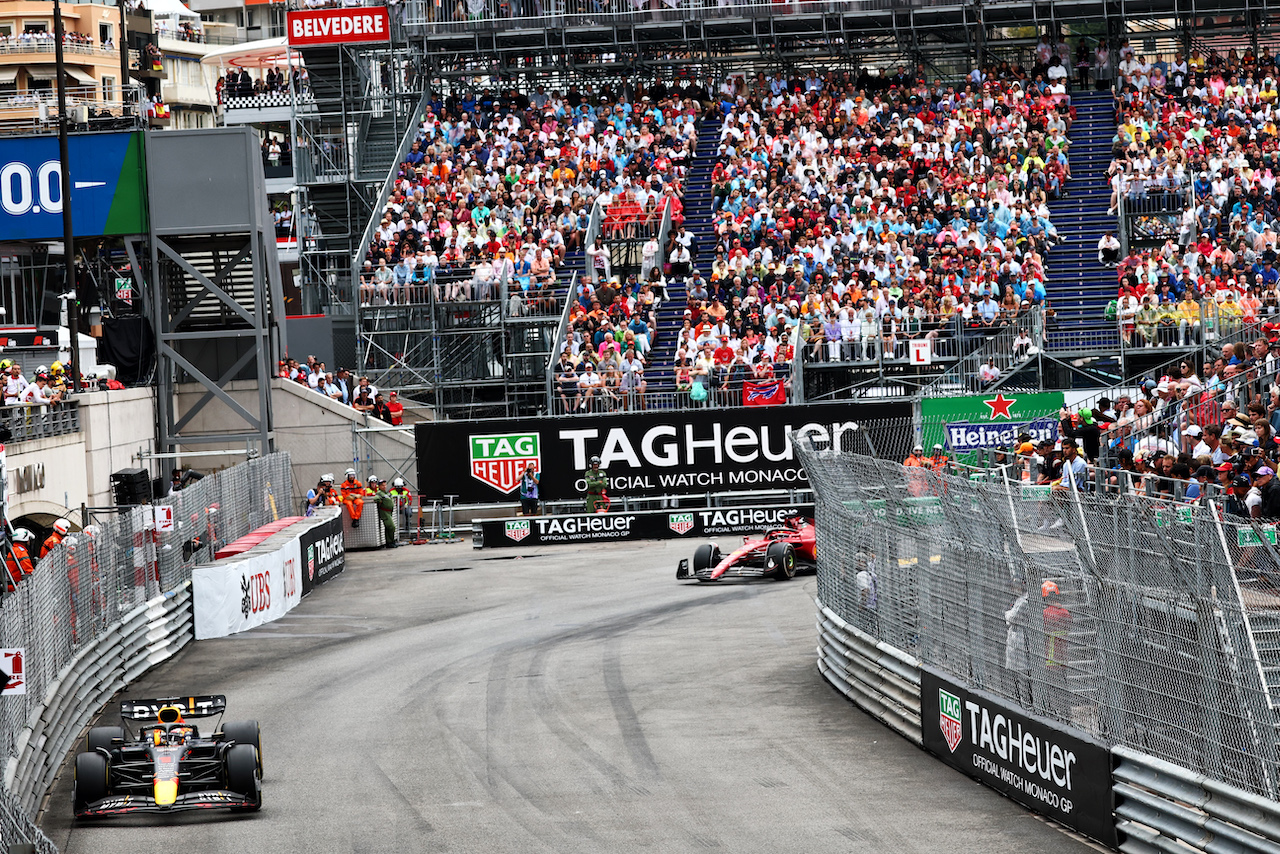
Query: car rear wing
(191, 707)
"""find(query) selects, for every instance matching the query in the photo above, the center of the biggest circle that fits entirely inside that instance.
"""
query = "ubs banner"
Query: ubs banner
(645, 454)
(1057, 772)
(646, 525)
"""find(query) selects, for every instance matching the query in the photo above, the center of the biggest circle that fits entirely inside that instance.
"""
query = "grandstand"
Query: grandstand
(454, 336)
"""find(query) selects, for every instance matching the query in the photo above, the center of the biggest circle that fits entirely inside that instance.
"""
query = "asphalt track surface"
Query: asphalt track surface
(576, 699)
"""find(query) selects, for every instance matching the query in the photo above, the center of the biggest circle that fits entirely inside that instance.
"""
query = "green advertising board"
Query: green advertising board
(965, 425)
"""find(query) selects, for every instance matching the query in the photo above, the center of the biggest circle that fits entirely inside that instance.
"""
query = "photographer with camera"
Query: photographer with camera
(323, 494)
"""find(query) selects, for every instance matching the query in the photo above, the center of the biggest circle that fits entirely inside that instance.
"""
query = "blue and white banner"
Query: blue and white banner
(966, 436)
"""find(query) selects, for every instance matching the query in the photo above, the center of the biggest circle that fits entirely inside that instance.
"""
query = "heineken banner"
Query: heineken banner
(693, 525)
(963, 425)
(1056, 771)
(647, 453)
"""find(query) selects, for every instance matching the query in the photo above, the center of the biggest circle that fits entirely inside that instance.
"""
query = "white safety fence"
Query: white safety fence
(1163, 684)
(144, 637)
(101, 609)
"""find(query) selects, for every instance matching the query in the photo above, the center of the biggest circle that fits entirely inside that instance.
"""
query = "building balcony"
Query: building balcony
(26, 423)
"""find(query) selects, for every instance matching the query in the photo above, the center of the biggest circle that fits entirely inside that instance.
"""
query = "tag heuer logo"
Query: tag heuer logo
(681, 523)
(949, 718)
(517, 530)
(499, 459)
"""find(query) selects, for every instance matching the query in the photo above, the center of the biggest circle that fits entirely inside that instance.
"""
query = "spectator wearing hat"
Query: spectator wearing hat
(916, 459)
(1264, 481)
(1084, 428)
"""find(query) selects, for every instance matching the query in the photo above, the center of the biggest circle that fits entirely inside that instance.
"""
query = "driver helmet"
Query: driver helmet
(1048, 589)
(595, 461)
(62, 526)
(22, 535)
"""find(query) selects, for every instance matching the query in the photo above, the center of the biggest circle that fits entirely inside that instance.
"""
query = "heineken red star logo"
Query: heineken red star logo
(1000, 406)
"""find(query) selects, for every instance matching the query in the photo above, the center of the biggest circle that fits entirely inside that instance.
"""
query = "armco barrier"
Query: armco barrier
(144, 637)
(1162, 807)
(883, 681)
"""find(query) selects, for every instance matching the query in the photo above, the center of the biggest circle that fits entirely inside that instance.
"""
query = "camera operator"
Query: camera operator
(324, 494)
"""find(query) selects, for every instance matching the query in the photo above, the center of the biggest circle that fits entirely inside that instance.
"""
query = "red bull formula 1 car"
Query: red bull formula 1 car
(779, 554)
(159, 761)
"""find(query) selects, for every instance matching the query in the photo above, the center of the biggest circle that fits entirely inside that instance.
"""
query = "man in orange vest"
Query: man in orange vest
(938, 462)
(60, 529)
(353, 493)
(916, 458)
(18, 560)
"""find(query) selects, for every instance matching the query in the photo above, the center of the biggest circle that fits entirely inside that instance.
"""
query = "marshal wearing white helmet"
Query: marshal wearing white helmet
(60, 530)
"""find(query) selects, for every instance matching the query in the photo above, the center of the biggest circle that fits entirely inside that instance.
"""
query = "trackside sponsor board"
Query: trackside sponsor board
(966, 424)
(1058, 772)
(339, 26)
(323, 551)
(236, 596)
(645, 525)
(644, 454)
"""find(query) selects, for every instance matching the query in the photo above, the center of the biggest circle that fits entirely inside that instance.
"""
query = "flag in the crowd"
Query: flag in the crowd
(766, 393)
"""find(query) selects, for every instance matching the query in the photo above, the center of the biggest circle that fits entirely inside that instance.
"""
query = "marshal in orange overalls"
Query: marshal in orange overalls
(353, 493)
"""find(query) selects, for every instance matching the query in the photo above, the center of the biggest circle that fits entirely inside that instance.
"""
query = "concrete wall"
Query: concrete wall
(114, 427)
(117, 425)
(56, 478)
(316, 431)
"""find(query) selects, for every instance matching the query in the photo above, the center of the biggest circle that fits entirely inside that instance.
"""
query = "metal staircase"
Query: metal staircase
(347, 143)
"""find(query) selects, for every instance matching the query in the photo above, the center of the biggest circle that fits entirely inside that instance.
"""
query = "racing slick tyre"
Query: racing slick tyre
(705, 559)
(781, 557)
(241, 767)
(91, 784)
(101, 736)
(245, 732)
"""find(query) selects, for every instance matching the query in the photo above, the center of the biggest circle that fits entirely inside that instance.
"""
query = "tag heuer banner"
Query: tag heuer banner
(966, 424)
(692, 525)
(323, 550)
(647, 453)
(1056, 771)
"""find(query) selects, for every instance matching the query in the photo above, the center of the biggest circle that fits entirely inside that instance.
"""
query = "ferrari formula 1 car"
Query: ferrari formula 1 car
(779, 554)
(159, 761)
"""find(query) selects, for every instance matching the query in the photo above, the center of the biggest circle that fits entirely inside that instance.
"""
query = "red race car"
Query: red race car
(779, 554)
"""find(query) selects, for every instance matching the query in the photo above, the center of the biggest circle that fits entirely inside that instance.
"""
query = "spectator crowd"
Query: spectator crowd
(865, 212)
(342, 387)
(498, 189)
(1196, 136)
(1207, 430)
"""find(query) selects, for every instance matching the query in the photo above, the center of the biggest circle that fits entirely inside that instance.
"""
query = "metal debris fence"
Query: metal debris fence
(111, 582)
(1173, 643)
